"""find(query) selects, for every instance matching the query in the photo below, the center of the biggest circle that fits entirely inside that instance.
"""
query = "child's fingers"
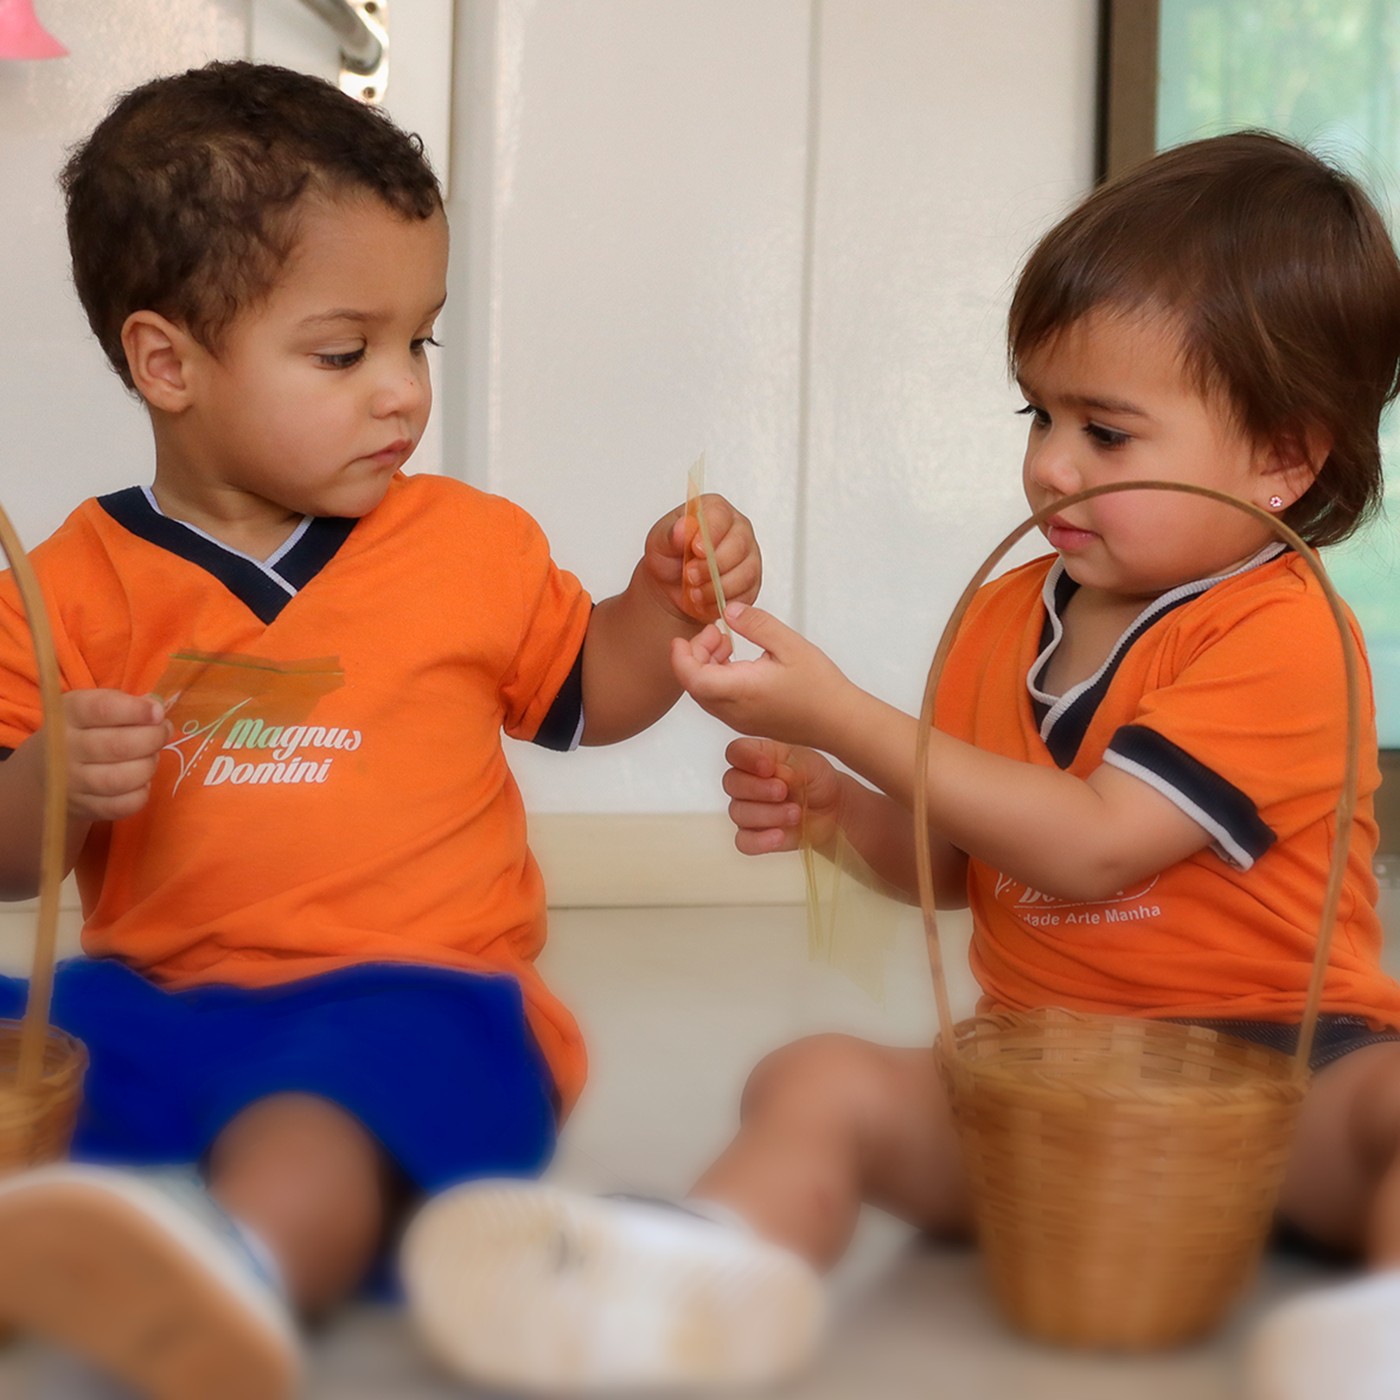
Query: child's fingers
(682, 533)
(105, 709)
(740, 582)
(109, 780)
(765, 841)
(737, 559)
(104, 747)
(110, 791)
(766, 816)
(719, 520)
(744, 786)
(758, 756)
(114, 745)
(710, 685)
(695, 658)
(722, 649)
(761, 628)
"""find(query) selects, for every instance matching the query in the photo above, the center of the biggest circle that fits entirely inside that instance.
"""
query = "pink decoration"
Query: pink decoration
(21, 34)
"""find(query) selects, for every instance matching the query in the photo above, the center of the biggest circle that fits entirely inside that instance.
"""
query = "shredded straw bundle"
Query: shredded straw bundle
(1124, 1171)
(41, 1070)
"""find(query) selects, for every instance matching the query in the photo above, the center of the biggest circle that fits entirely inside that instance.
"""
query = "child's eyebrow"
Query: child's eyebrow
(358, 316)
(1099, 402)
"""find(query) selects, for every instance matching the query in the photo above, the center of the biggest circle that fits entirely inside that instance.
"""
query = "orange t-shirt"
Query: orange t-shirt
(336, 790)
(1228, 697)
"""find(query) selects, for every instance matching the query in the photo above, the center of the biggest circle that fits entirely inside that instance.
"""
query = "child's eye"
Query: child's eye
(1106, 437)
(421, 341)
(343, 359)
(1033, 411)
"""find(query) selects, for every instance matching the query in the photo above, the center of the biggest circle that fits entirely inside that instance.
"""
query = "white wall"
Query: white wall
(67, 429)
(781, 231)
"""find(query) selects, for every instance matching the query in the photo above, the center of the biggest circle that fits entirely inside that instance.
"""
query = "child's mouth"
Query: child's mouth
(1067, 538)
(394, 455)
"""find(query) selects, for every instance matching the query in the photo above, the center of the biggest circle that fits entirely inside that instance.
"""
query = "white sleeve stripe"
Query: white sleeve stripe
(1223, 843)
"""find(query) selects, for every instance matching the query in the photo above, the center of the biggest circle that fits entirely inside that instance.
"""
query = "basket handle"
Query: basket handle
(1346, 803)
(34, 1031)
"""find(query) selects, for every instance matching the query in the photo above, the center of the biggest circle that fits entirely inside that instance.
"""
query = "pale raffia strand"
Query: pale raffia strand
(41, 1069)
(1124, 1171)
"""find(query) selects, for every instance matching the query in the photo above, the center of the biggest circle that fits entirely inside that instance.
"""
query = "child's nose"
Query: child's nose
(1053, 467)
(403, 389)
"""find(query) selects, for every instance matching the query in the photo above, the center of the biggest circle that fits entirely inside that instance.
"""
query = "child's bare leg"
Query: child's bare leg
(830, 1122)
(1343, 1183)
(1343, 1190)
(311, 1182)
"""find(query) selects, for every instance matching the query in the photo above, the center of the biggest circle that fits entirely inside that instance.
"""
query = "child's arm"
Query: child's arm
(768, 783)
(1066, 836)
(114, 742)
(628, 682)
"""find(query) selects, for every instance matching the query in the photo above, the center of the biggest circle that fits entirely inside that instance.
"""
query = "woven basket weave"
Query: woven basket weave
(1124, 1172)
(41, 1069)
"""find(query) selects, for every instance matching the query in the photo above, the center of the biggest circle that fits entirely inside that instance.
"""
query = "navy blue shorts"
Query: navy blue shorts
(439, 1065)
(1336, 1035)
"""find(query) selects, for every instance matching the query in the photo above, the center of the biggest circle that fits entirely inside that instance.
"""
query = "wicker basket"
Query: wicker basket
(41, 1069)
(1124, 1171)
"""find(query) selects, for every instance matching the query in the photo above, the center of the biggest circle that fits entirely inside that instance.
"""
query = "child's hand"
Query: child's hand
(114, 742)
(768, 783)
(675, 559)
(793, 692)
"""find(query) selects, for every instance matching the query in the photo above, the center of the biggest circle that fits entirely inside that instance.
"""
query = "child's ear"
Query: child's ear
(157, 356)
(1291, 465)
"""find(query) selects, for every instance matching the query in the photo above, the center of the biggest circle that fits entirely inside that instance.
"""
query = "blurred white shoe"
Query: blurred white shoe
(1342, 1341)
(145, 1278)
(534, 1288)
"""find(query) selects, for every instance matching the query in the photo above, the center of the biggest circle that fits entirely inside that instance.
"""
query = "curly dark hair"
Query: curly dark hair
(184, 200)
(1283, 279)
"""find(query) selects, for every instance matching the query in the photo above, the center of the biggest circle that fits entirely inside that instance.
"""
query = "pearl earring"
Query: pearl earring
(1275, 502)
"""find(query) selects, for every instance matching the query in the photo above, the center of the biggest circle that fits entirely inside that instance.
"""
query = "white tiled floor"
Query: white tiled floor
(678, 1004)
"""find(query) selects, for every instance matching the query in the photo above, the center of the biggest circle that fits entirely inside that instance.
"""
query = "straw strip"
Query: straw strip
(55, 813)
(695, 488)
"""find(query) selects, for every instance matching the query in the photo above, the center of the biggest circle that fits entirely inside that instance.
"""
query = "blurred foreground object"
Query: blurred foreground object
(532, 1288)
(141, 1275)
(41, 1070)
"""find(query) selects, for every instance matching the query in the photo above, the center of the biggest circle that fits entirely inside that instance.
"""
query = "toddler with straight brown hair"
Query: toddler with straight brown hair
(1137, 757)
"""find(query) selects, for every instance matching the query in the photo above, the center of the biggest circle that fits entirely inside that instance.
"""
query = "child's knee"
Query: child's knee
(306, 1152)
(833, 1076)
(1375, 1112)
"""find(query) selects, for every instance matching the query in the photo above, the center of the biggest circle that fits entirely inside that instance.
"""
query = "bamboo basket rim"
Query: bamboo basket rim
(1346, 802)
(35, 1034)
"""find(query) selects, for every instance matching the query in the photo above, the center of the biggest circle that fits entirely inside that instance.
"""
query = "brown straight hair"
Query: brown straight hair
(1283, 280)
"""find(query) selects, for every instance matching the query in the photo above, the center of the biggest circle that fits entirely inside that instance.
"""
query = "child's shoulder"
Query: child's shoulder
(1276, 617)
(83, 532)
(1278, 595)
(426, 497)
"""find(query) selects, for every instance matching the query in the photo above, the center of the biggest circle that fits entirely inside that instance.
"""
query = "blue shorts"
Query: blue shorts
(439, 1065)
(1336, 1035)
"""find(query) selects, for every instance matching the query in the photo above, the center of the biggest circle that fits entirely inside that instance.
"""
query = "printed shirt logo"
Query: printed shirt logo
(243, 720)
(1041, 910)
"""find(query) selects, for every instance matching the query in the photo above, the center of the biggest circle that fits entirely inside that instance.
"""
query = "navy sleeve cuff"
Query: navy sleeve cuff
(1237, 831)
(562, 727)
